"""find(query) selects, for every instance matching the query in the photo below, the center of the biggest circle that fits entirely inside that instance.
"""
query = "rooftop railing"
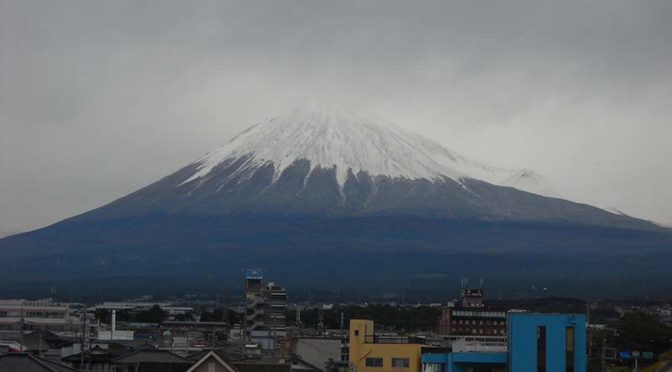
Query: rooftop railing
(378, 339)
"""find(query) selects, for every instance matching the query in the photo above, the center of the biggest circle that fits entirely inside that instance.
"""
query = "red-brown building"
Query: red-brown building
(476, 321)
(471, 317)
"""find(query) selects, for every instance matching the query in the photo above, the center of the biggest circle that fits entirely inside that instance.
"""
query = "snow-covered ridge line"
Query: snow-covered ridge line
(332, 139)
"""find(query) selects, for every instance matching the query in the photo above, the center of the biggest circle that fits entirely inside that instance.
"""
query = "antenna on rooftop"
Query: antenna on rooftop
(320, 319)
(298, 315)
(464, 283)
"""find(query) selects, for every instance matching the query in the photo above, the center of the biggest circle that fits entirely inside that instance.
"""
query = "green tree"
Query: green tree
(643, 332)
(153, 315)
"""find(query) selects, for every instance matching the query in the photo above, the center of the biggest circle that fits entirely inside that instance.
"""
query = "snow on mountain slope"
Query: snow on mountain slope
(332, 139)
(530, 181)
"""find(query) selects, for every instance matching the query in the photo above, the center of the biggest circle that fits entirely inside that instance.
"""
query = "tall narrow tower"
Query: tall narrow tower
(275, 300)
(254, 302)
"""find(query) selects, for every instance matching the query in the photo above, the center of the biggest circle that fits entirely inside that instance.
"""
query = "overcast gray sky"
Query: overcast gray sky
(99, 98)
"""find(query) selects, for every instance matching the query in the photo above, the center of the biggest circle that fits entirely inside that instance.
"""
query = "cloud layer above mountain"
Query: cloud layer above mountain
(100, 98)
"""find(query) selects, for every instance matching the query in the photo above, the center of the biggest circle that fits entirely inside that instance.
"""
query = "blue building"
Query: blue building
(536, 343)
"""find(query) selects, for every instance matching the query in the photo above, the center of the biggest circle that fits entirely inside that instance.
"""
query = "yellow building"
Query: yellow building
(369, 353)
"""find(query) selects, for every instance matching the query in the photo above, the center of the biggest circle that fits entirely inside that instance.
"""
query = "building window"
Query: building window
(433, 367)
(400, 363)
(356, 332)
(374, 362)
(569, 349)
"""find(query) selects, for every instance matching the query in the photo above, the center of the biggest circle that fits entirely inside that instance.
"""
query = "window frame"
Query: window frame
(406, 362)
(369, 362)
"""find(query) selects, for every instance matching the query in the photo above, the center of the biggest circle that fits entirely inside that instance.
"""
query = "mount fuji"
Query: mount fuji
(332, 140)
(327, 198)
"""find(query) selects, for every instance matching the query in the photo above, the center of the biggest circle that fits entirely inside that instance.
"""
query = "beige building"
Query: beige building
(370, 353)
(39, 315)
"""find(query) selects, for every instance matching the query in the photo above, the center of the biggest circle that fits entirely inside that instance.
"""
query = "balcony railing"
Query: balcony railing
(377, 339)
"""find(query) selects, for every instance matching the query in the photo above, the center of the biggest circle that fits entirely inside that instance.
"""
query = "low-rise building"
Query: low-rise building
(265, 308)
(472, 321)
(171, 310)
(536, 342)
(369, 352)
(151, 360)
(470, 316)
(17, 316)
(26, 362)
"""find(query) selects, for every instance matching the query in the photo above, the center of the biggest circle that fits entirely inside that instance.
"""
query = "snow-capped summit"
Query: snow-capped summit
(332, 139)
(329, 139)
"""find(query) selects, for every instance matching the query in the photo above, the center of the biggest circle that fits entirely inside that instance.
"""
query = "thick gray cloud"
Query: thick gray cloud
(100, 98)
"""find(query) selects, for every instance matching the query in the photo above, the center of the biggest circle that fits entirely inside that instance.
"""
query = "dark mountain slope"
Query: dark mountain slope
(389, 221)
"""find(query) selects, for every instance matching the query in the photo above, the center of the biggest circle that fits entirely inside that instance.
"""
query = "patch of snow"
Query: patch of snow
(665, 225)
(530, 181)
(614, 210)
(332, 139)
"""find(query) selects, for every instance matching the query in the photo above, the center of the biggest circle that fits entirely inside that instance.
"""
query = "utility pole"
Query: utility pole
(298, 315)
(88, 337)
(189, 329)
(243, 328)
(81, 341)
(587, 313)
(21, 326)
(113, 324)
(320, 319)
(604, 352)
(275, 336)
(636, 355)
